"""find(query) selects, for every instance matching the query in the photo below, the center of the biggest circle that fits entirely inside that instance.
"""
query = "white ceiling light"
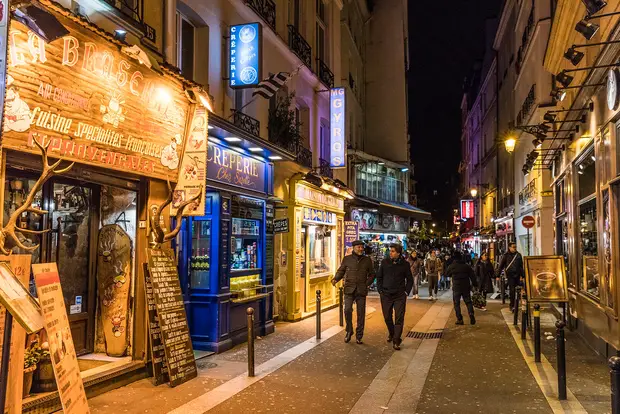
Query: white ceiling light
(275, 157)
(232, 139)
(255, 149)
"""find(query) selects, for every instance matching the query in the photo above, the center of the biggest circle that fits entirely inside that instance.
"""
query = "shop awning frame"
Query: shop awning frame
(400, 209)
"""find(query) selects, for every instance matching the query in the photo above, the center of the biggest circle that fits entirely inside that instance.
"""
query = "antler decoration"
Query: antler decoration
(9, 231)
(160, 236)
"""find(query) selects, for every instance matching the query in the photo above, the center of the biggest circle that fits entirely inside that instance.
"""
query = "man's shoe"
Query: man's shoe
(472, 319)
(347, 337)
(430, 297)
(459, 322)
(359, 341)
(389, 338)
(396, 346)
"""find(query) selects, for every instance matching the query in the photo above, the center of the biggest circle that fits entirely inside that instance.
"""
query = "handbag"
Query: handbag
(478, 300)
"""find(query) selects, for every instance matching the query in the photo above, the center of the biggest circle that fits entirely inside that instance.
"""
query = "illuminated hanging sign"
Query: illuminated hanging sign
(227, 166)
(337, 130)
(467, 209)
(245, 44)
(93, 103)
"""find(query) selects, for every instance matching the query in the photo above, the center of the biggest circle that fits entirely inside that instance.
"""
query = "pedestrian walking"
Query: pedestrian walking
(394, 283)
(485, 275)
(512, 266)
(433, 270)
(358, 272)
(463, 279)
(415, 264)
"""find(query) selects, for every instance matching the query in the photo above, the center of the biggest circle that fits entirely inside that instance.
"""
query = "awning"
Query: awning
(401, 209)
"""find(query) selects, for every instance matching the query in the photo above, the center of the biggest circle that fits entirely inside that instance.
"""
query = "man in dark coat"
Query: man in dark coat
(358, 273)
(512, 265)
(463, 278)
(394, 282)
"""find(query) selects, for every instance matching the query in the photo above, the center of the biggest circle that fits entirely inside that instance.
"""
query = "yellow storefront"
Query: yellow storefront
(311, 250)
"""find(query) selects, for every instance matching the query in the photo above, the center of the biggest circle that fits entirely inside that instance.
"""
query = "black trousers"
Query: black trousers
(360, 303)
(394, 305)
(432, 285)
(512, 291)
(457, 304)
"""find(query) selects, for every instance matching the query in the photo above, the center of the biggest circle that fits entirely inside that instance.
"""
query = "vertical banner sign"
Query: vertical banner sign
(192, 174)
(62, 351)
(4, 34)
(245, 55)
(467, 209)
(351, 233)
(337, 130)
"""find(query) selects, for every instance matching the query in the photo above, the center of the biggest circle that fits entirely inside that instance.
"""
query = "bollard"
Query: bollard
(515, 306)
(318, 314)
(341, 305)
(537, 333)
(614, 365)
(502, 288)
(560, 345)
(523, 314)
(250, 313)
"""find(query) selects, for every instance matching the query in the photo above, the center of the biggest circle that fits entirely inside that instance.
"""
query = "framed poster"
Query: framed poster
(545, 279)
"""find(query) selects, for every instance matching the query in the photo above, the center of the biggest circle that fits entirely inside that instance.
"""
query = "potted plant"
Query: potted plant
(32, 356)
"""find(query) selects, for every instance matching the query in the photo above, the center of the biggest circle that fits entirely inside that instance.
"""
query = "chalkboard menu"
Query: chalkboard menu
(171, 315)
(158, 355)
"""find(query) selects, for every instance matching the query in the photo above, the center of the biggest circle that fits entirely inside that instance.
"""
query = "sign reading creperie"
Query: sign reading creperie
(93, 103)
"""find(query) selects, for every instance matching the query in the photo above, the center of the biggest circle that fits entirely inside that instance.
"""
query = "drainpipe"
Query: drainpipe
(169, 38)
(497, 181)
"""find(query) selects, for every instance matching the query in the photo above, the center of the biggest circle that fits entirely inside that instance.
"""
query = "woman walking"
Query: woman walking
(485, 274)
(415, 263)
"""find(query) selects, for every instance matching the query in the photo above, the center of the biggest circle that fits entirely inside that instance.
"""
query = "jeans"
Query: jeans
(394, 304)
(512, 291)
(432, 284)
(457, 304)
(360, 303)
(416, 280)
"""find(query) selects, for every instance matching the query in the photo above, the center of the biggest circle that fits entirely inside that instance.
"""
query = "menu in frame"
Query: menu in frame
(171, 315)
(545, 279)
(158, 355)
(62, 350)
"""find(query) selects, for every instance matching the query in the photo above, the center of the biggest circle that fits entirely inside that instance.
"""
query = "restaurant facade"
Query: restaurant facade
(101, 103)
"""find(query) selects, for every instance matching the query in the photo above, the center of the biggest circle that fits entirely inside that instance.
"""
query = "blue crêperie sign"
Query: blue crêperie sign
(245, 55)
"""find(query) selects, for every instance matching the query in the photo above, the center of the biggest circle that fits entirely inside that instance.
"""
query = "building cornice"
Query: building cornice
(567, 14)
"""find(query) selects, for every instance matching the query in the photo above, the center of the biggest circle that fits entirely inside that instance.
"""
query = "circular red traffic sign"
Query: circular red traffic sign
(528, 222)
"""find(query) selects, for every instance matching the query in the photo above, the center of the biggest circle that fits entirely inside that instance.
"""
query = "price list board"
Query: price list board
(158, 354)
(174, 330)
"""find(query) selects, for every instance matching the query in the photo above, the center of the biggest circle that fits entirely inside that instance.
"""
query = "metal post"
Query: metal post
(250, 313)
(561, 359)
(6, 353)
(318, 314)
(341, 305)
(502, 288)
(516, 305)
(614, 365)
(528, 241)
(537, 333)
(523, 315)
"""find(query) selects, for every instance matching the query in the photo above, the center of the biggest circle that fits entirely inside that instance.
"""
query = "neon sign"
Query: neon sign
(467, 209)
(337, 130)
(245, 55)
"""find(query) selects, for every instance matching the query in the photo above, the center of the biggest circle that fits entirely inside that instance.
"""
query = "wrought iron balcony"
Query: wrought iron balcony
(299, 46)
(266, 9)
(304, 156)
(324, 169)
(133, 11)
(325, 75)
(247, 123)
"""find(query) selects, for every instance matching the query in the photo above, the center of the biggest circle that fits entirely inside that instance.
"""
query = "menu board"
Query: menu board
(545, 279)
(170, 309)
(158, 355)
(18, 301)
(62, 351)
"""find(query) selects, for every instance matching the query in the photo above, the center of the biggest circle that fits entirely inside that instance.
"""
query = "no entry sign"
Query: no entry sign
(528, 222)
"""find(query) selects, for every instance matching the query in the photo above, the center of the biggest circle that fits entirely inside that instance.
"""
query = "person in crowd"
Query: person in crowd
(415, 264)
(474, 261)
(358, 272)
(445, 280)
(394, 283)
(433, 270)
(485, 275)
(463, 279)
(512, 266)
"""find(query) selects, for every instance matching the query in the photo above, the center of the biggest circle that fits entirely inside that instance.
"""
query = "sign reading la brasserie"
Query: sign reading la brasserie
(96, 104)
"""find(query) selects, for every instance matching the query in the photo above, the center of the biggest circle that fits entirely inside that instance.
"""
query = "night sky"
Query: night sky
(446, 38)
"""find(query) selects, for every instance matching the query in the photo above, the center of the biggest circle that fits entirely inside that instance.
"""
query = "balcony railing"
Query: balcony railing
(134, 11)
(324, 169)
(247, 123)
(299, 46)
(266, 9)
(325, 75)
(304, 156)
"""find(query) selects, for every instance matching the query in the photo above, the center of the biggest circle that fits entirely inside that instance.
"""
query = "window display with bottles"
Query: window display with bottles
(321, 246)
(244, 244)
(200, 260)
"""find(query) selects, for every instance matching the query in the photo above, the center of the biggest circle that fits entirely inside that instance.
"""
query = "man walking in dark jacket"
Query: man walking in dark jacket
(463, 278)
(358, 273)
(394, 282)
(512, 265)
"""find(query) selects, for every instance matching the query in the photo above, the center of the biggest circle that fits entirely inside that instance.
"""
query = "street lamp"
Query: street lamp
(510, 144)
(433, 224)
(473, 192)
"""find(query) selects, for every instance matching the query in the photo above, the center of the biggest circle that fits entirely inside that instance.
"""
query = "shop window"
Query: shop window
(607, 249)
(321, 244)
(588, 248)
(586, 178)
(200, 261)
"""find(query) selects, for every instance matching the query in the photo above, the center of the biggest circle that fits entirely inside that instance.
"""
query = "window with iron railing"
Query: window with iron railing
(527, 106)
(299, 46)
(266, 9)
(528, 31)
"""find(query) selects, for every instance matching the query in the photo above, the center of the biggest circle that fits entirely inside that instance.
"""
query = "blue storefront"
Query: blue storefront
(226, 256)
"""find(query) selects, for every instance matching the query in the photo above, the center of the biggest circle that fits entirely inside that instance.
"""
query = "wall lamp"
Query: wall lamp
(41, 22)
(584, 26)
(198, 95)
(558, 95)
(590, 108)
(575, 56)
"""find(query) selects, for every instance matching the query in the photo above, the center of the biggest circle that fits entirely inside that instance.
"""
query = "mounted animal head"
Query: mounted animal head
(160, 236)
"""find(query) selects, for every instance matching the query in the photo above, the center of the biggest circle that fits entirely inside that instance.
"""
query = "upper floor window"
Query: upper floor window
(186, 33)
(382, 182)
(321, 28)
(295, 13)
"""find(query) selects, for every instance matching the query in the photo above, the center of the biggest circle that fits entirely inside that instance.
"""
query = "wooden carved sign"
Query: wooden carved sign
(96, 104)
(114, 254)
